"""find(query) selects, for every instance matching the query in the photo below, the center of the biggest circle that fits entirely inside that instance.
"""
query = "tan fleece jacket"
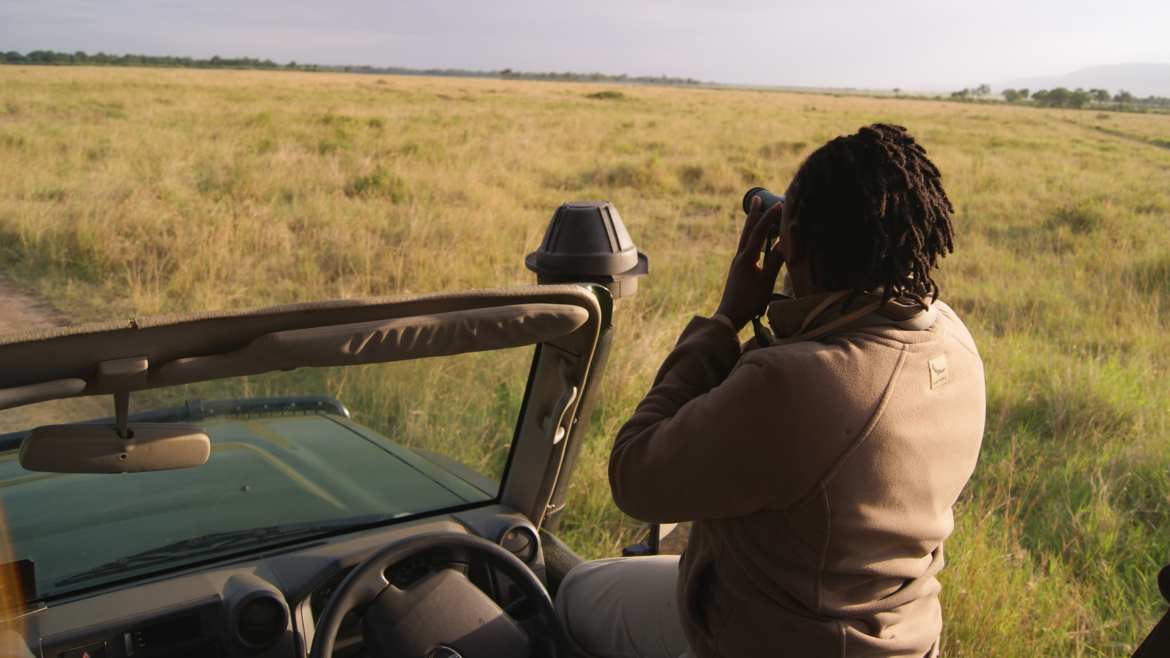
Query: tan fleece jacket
(820, 476)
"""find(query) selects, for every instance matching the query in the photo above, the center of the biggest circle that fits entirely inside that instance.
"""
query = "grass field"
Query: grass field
(136, 192)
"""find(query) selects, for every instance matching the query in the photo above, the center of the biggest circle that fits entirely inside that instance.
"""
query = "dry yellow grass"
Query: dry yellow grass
(150, 191)
(1152, 128)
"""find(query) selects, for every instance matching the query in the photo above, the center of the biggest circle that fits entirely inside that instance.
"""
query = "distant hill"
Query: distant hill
(1141, 80)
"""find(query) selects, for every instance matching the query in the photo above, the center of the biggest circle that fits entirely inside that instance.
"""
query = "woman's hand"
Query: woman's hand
(749, 286)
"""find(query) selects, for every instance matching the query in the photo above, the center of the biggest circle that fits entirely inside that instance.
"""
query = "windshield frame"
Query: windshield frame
(262, 549)
(68, 362)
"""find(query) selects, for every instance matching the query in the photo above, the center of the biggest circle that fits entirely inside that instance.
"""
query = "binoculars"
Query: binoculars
(768, 200)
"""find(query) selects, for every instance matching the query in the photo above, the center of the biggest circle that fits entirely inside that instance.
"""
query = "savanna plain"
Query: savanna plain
(129, 192)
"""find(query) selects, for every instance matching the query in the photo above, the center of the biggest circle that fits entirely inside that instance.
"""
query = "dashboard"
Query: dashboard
(265, 605)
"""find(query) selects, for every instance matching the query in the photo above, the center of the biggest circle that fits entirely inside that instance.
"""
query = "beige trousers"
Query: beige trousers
(624, 607)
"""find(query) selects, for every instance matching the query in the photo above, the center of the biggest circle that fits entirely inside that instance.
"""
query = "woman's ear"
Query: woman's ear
(798, 261)
(791, 244)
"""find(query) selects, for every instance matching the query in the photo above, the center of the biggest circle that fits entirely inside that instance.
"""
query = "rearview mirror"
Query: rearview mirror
(97, 448)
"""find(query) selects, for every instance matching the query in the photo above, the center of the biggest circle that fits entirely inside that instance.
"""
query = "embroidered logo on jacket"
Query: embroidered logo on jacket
(939, 374)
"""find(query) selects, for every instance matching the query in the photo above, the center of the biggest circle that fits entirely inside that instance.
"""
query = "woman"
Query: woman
(820, 468)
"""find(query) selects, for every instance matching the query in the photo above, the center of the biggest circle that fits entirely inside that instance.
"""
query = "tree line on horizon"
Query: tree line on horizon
(1061, 97)
(80, 58)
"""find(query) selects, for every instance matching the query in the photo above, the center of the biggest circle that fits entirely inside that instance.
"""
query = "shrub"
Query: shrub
(261, 118)
(379, 183)
(782, 148)
(607, 95)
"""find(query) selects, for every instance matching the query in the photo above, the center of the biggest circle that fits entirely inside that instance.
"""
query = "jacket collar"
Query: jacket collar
(790, 318)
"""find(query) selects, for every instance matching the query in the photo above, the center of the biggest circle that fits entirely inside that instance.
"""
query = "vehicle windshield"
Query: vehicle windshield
(293, 455)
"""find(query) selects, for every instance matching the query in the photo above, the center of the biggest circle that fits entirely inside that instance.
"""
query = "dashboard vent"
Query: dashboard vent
(521, 542)
(261, 622)
(165, 633)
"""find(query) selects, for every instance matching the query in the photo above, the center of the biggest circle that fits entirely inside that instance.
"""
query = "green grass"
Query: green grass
(153, 191)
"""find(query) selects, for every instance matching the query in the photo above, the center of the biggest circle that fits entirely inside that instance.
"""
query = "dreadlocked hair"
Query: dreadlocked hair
(872, 212)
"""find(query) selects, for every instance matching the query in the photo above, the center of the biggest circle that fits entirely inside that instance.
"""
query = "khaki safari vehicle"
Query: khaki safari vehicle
(375, 476)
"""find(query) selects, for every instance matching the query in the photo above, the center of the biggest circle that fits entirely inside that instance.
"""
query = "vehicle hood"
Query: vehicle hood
(262, 472)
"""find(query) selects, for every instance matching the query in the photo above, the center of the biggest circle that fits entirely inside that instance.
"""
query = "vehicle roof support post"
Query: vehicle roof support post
(586, 241)
(576, 436)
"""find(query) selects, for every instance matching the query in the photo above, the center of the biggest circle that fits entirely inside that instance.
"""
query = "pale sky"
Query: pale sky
(912, 44)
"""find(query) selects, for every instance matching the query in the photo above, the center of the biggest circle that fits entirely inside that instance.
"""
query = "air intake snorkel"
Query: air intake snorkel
(586, 241)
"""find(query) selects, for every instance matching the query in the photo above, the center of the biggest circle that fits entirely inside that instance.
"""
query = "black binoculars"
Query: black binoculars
(768, 199)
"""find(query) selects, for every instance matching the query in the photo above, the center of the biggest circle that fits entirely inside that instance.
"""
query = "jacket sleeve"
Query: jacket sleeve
(692, 448)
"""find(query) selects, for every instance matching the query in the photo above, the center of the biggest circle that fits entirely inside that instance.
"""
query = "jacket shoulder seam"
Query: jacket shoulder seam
(866, 431)
(974, 353)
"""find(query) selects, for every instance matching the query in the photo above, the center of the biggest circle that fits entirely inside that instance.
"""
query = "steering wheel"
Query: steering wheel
(444, 615)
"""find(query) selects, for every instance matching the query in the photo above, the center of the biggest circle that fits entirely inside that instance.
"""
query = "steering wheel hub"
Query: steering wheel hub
(443, 615)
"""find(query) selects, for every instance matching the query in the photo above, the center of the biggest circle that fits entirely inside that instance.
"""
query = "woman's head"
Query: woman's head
(872, 214)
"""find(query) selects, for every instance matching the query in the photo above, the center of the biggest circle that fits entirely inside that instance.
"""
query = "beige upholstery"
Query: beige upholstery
(443, 334)
(55, 390)
(333, 332)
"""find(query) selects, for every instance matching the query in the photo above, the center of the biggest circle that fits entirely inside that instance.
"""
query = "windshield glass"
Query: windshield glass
(293, 455)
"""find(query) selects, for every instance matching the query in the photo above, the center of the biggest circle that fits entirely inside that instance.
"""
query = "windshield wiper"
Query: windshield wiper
(217, 542)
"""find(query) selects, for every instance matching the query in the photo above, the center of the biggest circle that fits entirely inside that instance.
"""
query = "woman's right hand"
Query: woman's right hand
(749, 283)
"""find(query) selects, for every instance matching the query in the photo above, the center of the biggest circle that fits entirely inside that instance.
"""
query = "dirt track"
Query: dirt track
(20, 312)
